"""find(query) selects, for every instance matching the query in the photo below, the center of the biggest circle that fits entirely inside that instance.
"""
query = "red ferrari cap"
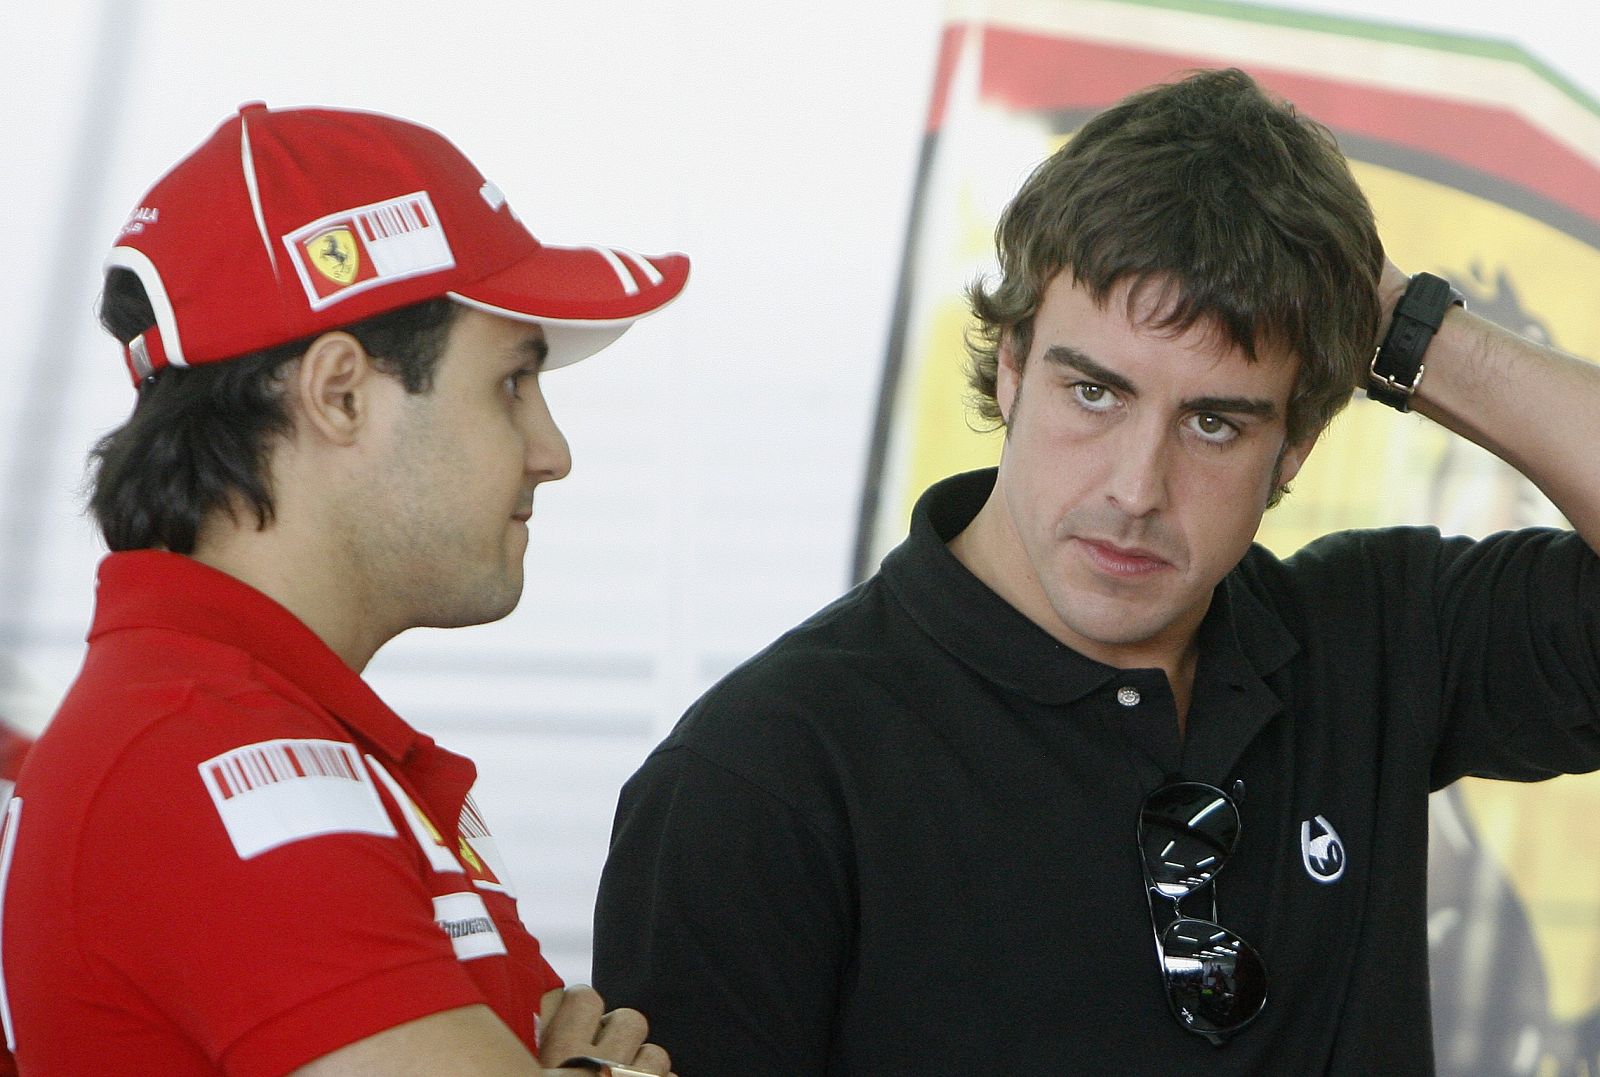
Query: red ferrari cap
(291, 222)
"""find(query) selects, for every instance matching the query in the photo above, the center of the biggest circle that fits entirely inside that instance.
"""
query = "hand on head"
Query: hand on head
(1391, 286)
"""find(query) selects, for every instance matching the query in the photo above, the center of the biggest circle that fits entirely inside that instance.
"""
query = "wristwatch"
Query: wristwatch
(1397, 366)
(603, 1067)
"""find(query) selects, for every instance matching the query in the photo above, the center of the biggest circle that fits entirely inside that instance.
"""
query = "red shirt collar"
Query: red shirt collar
(155, 589)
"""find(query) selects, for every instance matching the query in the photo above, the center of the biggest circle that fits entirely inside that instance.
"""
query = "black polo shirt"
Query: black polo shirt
(901, 839)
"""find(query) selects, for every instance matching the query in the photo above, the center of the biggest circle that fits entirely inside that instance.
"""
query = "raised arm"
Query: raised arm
(1534, 407)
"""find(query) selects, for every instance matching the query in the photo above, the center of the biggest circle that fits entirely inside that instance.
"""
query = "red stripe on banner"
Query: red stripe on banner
(949, 52)
(1490, 139)
(1034, 72)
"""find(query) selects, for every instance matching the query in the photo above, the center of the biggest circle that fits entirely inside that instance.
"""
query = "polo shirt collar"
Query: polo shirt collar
(1242, 641)
(156, 589)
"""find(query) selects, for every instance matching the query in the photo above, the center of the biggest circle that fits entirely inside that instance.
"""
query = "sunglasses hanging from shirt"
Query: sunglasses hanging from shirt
(1216, 983)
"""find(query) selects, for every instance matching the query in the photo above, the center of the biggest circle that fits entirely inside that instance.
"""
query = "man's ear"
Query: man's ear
(1293, 458)
(332, 387)
(1007, 375)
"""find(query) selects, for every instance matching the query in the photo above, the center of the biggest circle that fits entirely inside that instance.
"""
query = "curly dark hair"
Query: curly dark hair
(200, 438)
(1243, 214)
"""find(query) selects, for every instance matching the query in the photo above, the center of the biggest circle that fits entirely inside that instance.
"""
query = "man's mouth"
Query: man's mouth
(1123, 561)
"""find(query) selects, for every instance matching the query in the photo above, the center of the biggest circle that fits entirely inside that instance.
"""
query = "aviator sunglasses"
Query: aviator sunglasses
(1216, 983)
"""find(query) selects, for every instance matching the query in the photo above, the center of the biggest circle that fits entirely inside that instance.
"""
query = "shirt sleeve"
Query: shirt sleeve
(1486, 651)
(724, 915)
(1519, 616)
(269, 933)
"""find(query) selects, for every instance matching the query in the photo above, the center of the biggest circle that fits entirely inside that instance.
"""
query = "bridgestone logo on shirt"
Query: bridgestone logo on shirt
(460, 929)
(466, 923)
(279, 791)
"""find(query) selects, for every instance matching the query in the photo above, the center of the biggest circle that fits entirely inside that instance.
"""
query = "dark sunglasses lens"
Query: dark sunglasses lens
(1186, 831)
(1215, 981)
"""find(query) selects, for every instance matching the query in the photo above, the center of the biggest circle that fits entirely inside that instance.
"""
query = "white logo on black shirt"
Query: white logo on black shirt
(1321, 850)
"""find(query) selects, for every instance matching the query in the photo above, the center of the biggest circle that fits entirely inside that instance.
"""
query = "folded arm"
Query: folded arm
(472, 1041)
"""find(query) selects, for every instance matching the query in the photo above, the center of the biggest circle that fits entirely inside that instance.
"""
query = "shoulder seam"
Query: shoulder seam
(747, 780)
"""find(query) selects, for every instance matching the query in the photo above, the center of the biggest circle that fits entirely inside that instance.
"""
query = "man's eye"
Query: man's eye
(1094, 397)
(513, 382)
(1213, 428)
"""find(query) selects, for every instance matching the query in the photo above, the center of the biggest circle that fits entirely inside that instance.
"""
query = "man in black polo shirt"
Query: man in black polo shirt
(1083, 781)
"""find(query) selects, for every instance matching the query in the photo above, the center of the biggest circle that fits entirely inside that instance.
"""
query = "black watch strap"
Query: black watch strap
(1397, 366)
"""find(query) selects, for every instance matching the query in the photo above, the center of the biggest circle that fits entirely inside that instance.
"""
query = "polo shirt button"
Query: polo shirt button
(1128, 697)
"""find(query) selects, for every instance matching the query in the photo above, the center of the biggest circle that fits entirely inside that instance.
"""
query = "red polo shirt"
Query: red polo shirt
(226, 854)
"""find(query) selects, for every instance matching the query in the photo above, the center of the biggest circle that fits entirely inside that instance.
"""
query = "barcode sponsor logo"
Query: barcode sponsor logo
(490, 870)
(396, 219)
(278, 791)
(472, 824)
(345, 253)
(255, 765)
(466, 922)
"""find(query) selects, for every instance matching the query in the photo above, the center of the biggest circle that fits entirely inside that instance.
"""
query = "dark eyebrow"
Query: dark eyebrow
(1233, 405)
(532, 348)
(1063, 355)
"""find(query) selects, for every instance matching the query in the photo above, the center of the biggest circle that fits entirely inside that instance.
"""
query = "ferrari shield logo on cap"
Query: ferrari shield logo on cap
(346, 253)
(334, 254)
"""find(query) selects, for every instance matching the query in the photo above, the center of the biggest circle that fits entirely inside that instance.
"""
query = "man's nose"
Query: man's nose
(549, 457)
(1139, 473)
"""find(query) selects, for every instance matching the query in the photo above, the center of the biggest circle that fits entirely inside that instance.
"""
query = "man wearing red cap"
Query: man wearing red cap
(226, 854)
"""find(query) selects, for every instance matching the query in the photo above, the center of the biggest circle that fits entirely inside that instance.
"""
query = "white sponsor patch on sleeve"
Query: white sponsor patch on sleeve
(8, 844)
(468, 925)
(279, 791)
(492, 874)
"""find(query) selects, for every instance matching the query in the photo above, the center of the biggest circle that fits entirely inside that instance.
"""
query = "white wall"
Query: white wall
(719, 448)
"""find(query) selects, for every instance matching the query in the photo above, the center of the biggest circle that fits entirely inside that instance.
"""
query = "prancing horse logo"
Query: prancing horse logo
(335, 255)
(1321, 850)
